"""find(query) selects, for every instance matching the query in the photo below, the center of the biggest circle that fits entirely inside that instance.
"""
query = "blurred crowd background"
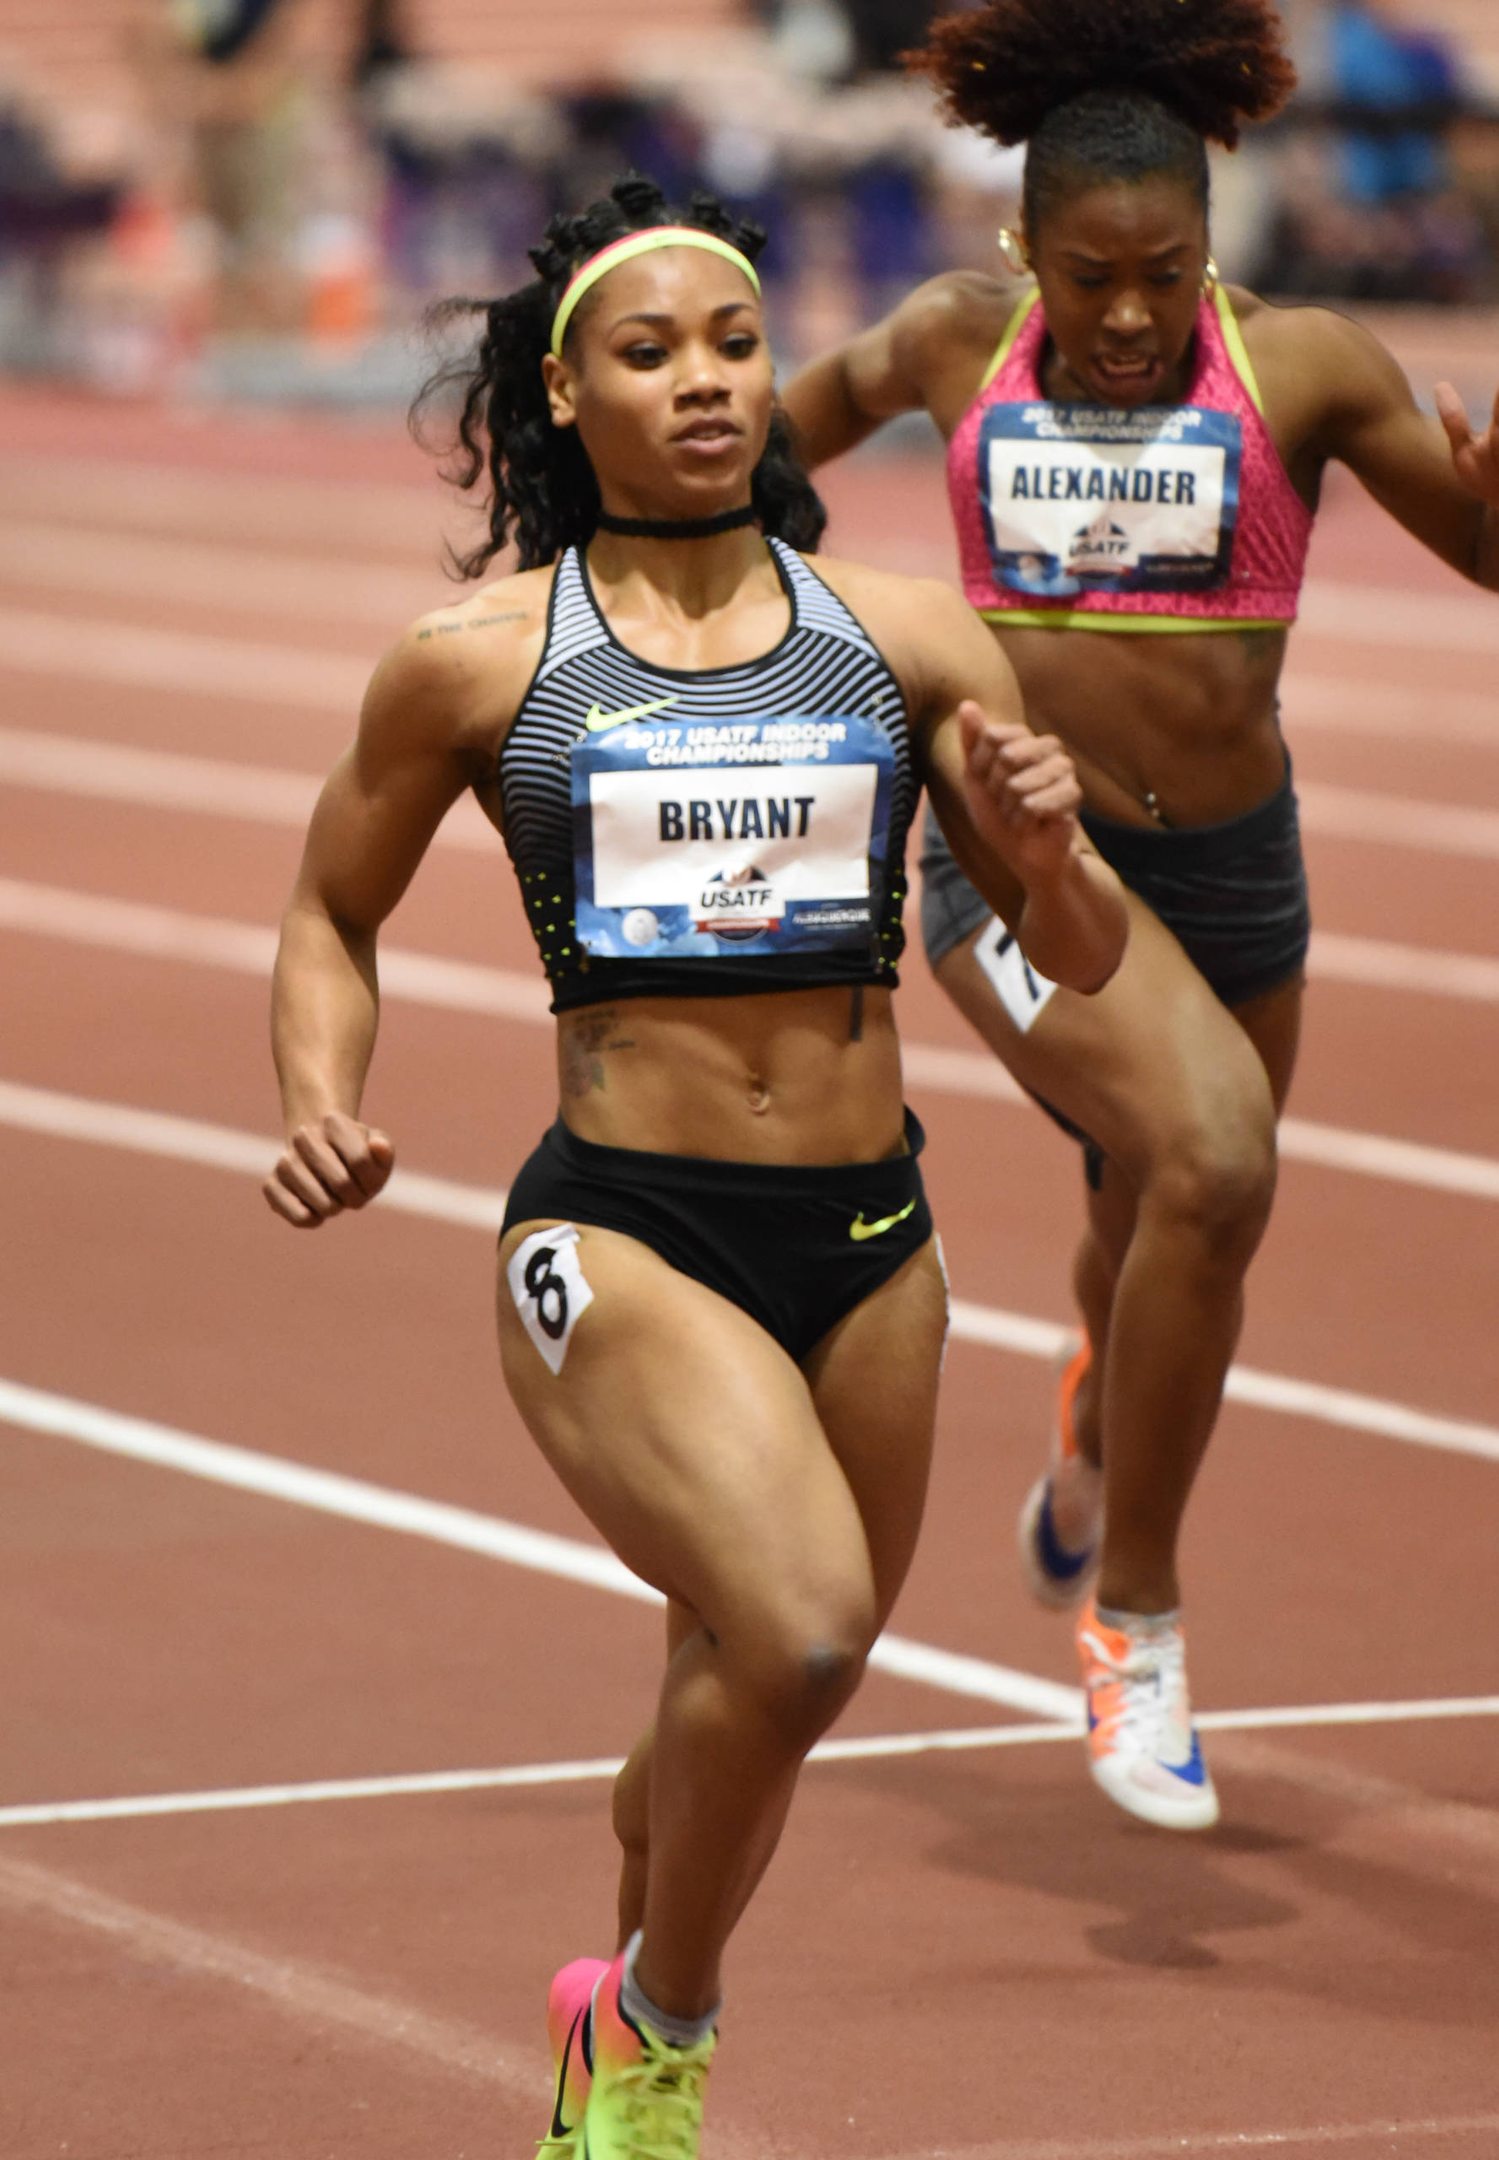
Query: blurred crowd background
(257, 197)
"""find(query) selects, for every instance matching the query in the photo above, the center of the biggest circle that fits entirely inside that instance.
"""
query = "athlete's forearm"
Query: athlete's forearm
(325, 1009)
(1486, 554)
(1073, 925)
(824, 416)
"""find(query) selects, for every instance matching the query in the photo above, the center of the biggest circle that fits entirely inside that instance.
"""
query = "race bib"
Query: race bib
(1021, 989)
(696, 839)
(1084, 498)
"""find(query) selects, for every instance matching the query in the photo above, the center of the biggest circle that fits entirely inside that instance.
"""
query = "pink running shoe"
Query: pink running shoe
(646, 2099)
(567, 2030)
(1061, 1523)
(1143, 1748)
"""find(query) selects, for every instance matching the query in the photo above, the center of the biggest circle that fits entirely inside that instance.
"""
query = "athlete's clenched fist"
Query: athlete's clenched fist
(326, 1167)
(1021, 789)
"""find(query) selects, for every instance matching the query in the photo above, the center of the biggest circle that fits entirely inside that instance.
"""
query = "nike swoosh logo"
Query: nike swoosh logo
(561, 2128)
(859, 1229)
(596, 721)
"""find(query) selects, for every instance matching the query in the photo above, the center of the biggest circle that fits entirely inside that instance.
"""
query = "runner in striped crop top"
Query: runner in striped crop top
(626, 940)
(722, 1305)
(1134, 459)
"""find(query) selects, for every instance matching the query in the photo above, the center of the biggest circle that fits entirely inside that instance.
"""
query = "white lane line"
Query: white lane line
(1353, 705)
(159, 933)
(1351, 1713)
(347, 517)
(465, 1529)
(1359, 1413)
(1404, 1162)
(466, 986)
(1343, 813)
(1375, 2135)
(220, 1147)
(220, 1800)
(313, 1996)
(857, 1747)
(182, 574)
(480, 1207)
(463, 986)
(41, 549)
(1390, 966)
(188, 663)
(165, 779)
(1425, 622)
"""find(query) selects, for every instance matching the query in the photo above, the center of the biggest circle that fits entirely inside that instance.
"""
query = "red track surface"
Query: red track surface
(955, 1953)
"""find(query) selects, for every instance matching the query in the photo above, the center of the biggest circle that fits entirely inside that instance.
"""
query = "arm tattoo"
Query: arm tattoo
(477, 622)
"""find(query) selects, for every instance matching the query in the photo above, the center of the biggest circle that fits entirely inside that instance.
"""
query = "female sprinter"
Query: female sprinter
(1134, 461)
(721, 1307)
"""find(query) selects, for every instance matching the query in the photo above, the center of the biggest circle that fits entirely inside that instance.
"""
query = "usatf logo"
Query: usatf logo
(738, 905)
(1101, 545)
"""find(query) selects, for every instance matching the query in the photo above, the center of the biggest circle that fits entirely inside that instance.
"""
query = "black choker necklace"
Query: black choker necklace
(676, 528)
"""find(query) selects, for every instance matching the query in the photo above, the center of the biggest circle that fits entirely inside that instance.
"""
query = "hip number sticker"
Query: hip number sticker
(550, 1290)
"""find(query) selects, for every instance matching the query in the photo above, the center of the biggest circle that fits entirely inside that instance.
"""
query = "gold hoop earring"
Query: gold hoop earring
(1210, 277)
(1012, 251)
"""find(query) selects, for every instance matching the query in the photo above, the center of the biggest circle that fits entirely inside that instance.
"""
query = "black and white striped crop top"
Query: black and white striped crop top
(710, 833)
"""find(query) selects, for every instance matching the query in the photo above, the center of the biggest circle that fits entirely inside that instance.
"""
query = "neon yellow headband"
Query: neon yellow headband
(641, 243)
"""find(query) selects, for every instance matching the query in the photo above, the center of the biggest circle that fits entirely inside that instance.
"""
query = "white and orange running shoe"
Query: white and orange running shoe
(1061, 1523)
(1143, 1748)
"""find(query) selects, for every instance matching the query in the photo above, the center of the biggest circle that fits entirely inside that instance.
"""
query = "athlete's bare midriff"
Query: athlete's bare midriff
(799, 1076)
(1187, 718)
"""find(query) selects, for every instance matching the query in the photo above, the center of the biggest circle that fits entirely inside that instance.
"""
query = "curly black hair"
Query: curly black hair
(542, 490)
(1109, 89)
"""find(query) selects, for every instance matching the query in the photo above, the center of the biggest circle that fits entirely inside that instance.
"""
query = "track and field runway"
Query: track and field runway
(315, 1677)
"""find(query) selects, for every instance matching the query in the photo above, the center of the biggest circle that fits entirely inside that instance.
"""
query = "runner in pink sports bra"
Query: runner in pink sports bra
(1177, 517)
(1135, 455)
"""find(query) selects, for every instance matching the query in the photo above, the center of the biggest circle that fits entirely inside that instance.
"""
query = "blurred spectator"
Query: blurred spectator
(1370, 206)
(383, 42)
(249, 102)
(42, 214)
(305, 176)
(884, 29)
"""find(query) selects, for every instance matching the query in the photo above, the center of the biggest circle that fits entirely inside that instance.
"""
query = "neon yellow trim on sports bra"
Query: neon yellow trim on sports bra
(1137, 625)
(1129, 624)
(1238, 351)
(1233, 338)
(1013, 329)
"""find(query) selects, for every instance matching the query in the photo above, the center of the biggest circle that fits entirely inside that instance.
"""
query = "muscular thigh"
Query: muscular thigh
(689, 1438)
(874, 1381)
(1150, 1060)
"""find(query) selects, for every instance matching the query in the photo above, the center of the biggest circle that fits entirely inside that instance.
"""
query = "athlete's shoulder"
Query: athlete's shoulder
(460, 668)
(961, 307)
(860, 585)
(903, 615)
(1329, 355)
(490, 627)
(934, 644)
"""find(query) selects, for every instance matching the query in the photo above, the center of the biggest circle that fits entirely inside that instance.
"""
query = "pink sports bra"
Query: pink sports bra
(1097, 517)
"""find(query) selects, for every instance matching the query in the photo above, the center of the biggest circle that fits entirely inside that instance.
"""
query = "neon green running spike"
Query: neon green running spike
(646, 2099)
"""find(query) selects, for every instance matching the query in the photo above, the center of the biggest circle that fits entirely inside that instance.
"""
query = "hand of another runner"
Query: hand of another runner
(1476, 457)
(334, 1164)
(1022, 791)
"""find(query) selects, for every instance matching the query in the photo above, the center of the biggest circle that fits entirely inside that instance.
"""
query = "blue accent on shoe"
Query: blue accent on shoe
(1056, 1561)
(1193, 1771)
